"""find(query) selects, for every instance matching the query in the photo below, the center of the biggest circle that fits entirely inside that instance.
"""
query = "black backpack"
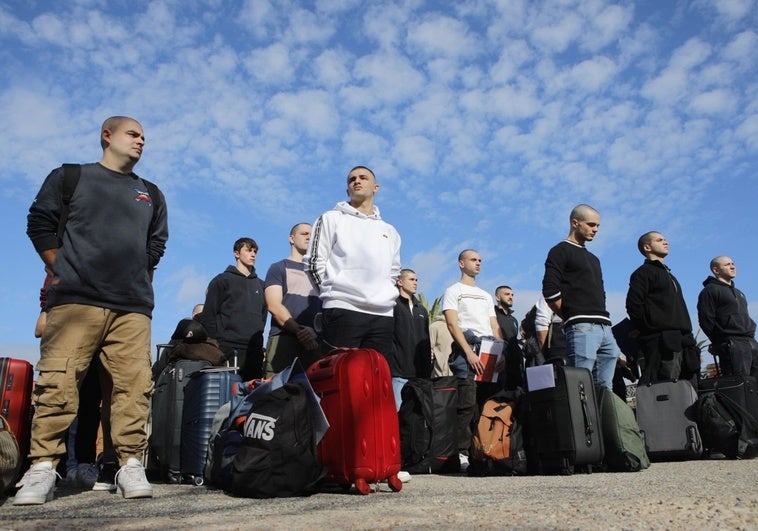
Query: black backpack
(428, 428)
(726, 427)
(277, 457)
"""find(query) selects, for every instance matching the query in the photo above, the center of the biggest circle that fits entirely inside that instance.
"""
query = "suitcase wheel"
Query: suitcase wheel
(362, 487)
(198, 480)
(394, 483)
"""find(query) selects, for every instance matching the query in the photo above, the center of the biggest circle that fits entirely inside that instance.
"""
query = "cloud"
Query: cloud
(417, 153)
(442, 36)
(743, 49)
(720, 102)
(593, 74)
(558, 36)
(271, 65)
(386, 78)
(729, 10)
(691, 54)
(607, 26)
(257, 17)
(747, 131)
(308, 112)
(332, 68)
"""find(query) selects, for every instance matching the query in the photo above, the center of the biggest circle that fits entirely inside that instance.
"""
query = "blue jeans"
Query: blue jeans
(592, 346)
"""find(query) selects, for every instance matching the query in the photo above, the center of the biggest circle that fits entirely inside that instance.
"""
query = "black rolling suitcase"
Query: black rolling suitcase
(563, 422)
(204, 394)
(667, 416)
(428, 425)
(166, 412)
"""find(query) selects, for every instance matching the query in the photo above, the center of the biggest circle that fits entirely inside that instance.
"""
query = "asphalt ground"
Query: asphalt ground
(706, 494)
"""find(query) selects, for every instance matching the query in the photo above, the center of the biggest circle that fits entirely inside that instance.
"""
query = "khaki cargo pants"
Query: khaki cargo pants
(73, 335)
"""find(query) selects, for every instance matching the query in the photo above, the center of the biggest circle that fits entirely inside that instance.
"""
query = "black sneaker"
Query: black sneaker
(106, 480)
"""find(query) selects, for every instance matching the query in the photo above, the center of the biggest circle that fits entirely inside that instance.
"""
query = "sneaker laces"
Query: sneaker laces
(133, 472)
(35, 476)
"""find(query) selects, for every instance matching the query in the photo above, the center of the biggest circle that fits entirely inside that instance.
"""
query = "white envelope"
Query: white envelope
(540, 377)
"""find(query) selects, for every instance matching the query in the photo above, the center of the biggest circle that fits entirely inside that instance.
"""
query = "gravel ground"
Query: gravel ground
(712, 494)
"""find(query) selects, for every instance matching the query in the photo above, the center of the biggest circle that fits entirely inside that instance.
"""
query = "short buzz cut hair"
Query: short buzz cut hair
(580, 212)
(406, 271)
(111, 124)
(645, 239)
(245, 242)
(293, 230)
(502, 287)
(715, 261)
(358, 168)
(463, 253)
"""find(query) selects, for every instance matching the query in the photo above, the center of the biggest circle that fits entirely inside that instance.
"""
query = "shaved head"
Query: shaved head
(582, 212)
(112, 124)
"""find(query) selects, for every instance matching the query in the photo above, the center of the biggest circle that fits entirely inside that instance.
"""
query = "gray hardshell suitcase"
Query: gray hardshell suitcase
(666, 414)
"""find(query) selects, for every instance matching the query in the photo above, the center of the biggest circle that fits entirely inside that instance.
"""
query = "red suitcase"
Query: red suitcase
(362, 444)
(17, 377)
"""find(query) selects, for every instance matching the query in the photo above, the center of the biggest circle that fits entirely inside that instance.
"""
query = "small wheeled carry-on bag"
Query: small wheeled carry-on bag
(207, 390)
(667, 416)
(428, 425)
(564, 426)
(362, 444)
(166, 411)
(16, 377)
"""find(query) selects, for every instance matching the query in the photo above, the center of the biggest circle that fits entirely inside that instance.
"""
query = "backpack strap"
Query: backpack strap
(71, 174)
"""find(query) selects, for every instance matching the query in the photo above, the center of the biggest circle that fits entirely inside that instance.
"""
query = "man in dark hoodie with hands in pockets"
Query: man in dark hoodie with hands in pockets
(723, 315)
(235, 312)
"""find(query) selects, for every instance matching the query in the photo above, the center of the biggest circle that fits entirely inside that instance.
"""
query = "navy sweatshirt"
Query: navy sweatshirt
(108, 246)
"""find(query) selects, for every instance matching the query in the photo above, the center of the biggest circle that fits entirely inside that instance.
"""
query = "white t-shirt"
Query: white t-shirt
(474, 307)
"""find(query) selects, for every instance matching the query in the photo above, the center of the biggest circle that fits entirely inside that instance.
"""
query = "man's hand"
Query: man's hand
(474, 361)
(307, 337)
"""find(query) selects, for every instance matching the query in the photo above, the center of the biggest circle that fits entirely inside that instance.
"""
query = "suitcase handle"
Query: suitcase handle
(588, 430)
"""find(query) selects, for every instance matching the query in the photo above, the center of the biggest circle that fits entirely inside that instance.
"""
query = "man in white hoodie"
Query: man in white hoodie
(354, 259)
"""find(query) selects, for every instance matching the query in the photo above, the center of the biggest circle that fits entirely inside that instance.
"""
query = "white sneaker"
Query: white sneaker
(403, 476)
(86, 475)
(37, 485)
(131, 480)
(464, 462)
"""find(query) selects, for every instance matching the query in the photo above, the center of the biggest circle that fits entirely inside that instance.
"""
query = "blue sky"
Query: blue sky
(485, 121)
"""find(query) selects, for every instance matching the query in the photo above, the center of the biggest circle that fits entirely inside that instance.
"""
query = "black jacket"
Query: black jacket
(654, 301)
(412, 355)
(722, 311)
(508, 324)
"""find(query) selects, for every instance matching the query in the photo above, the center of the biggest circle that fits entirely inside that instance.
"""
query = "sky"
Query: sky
(485, 121)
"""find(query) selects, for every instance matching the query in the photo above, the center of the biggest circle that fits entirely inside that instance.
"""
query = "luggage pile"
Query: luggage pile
(335, 423)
